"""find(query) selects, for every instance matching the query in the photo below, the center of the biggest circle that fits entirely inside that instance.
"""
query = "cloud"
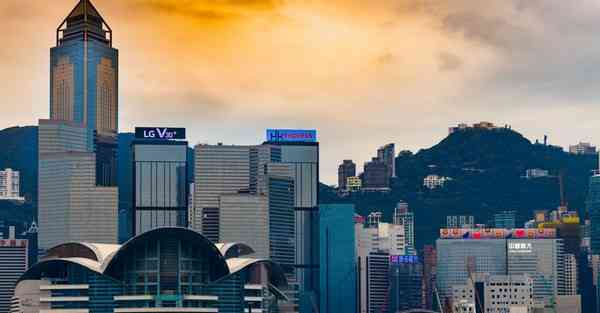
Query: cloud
(449, 61)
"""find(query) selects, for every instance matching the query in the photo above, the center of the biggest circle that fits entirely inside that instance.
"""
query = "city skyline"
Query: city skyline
(212, 66)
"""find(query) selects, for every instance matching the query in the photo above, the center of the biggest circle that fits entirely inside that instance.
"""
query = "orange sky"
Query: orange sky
(364, 73)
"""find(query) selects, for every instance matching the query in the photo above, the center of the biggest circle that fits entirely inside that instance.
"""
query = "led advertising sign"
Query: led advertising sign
(520, 247)
(497, 233)
(160, 133)
(291, 135)
(13, 243)
(404, 259)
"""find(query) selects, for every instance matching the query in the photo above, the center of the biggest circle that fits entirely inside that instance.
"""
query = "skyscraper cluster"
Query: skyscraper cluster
(376, 176)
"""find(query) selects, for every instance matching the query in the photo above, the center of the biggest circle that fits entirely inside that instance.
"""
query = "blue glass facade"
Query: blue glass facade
(125, 183)
(84, 84)
(593, 208)
(338, 258)
(406, 275)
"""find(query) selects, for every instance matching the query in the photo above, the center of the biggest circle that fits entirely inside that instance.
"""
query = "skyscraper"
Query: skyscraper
(84, 84)
(429, 271)
(407, 219)
(77, 146)
(345, 170)
(71, 205)
(219, 169)
(13, 263)
(300, 151)
(376, 176)
(406, 275)
(593, 207)
(160, 184)
(338, 258)
(387, 154)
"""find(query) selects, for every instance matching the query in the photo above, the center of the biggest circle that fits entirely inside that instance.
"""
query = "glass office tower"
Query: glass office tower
(338, 258)
(84, 84)
(593, 207)
(160, 184)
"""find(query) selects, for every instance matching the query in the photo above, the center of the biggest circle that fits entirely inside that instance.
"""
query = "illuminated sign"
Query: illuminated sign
(161, 133)
(404, 259)
(497, 233)
(13, 243)
(291, 135)
(520, 247)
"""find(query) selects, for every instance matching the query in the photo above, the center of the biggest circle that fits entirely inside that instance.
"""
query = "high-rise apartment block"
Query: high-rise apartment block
(13, 263)
(376, 176)
(345, 170)
(403, 217)
(10, 185)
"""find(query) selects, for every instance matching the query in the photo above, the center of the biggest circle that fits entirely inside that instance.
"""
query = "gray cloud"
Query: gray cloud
(449, 61)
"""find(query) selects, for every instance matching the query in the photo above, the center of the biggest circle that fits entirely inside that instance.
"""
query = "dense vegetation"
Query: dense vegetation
(487, 168)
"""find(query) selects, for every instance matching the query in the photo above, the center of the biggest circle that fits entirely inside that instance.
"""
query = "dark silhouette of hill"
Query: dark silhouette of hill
(486, 167)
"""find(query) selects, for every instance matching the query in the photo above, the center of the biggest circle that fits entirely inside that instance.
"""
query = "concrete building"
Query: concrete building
(403, 217)
(429, 274)
(457, 259)
(345, 170)
(543, 261)
(435, 181)
(219, 169)
(71, 204)
(338, 259)
(376, 176)
(387, 154)
(583, 148)
(533, 173)
(376, 244)
(505, 219)
(493, 294)
(13, 263)
(460, 221)
(10, 185)
(353, 184)
(570, 275)
(163, 270)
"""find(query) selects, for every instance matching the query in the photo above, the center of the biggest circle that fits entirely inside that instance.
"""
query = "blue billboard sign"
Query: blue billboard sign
(291, 135)
(404, 259)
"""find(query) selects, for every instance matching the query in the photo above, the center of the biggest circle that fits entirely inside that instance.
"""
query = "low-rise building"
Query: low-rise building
(10, 185)
(162, 270)
(353, 184)
(435, 181)
(584, 148)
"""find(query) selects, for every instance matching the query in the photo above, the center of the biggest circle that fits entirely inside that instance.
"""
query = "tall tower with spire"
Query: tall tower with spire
(77, 193)
(84, 84)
